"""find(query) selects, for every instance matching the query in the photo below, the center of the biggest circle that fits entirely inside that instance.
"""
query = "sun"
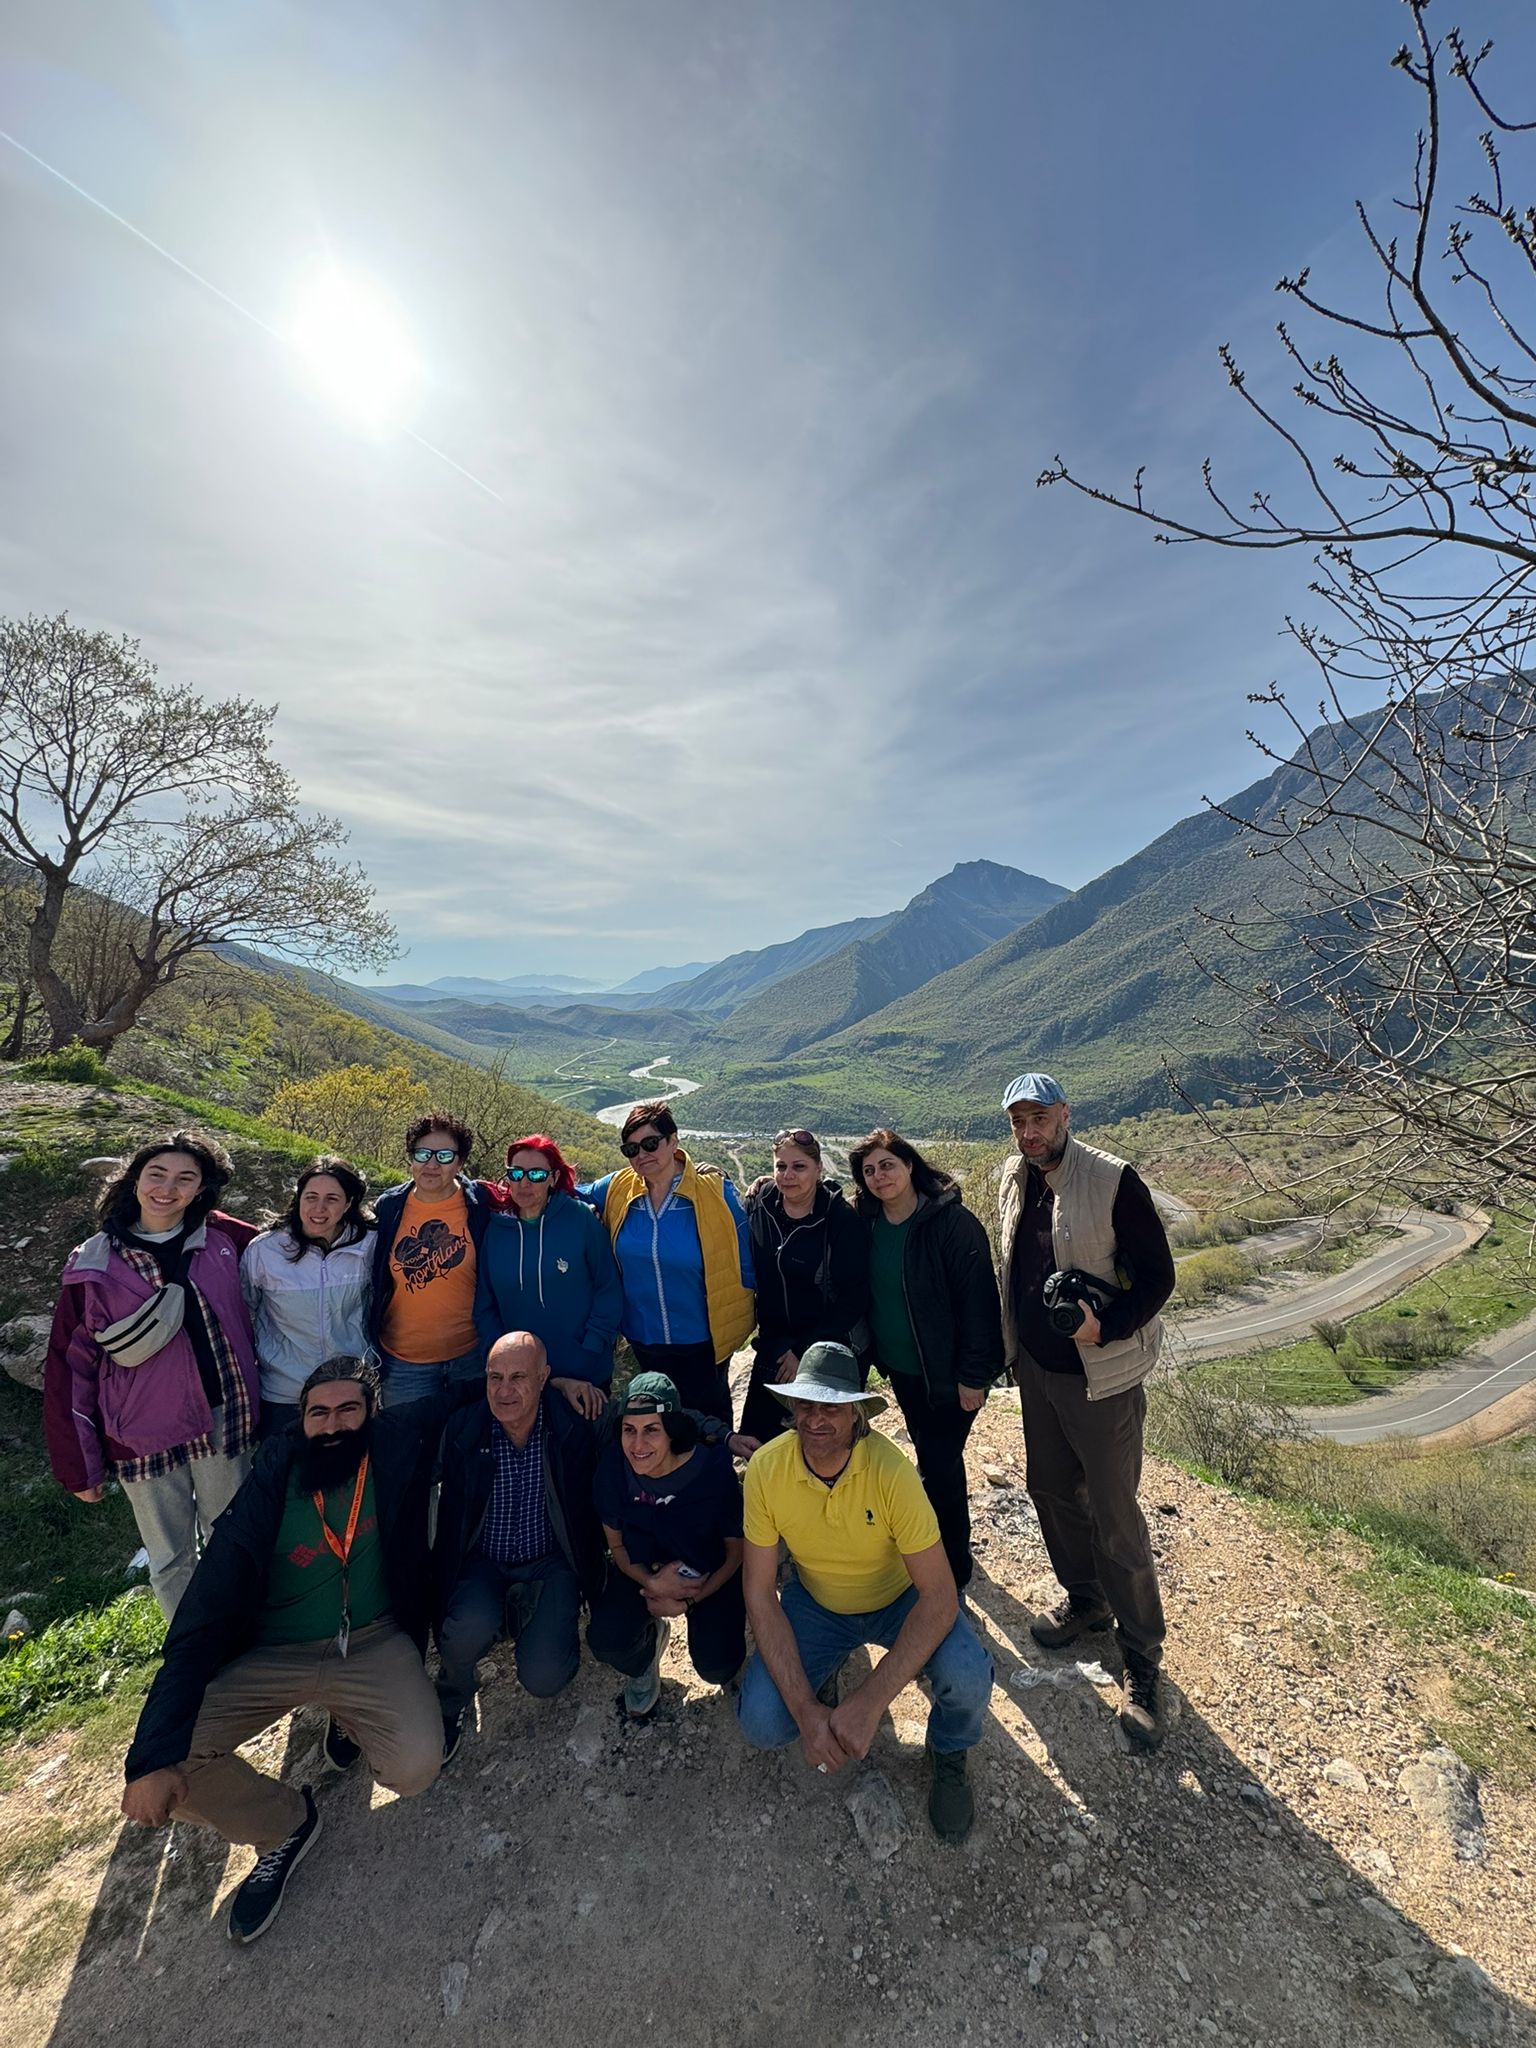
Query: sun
(352, 348)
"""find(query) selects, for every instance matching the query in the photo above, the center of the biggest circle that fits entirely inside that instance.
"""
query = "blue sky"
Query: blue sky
(755, 320)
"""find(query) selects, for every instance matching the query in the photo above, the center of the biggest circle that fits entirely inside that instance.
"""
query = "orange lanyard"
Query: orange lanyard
(343, 1548)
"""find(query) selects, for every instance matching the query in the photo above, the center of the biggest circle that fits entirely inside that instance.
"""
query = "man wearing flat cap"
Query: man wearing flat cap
(869, 1568)
(1085, 1268)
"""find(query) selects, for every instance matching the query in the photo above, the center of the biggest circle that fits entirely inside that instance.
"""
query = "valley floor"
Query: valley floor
(1263, 1879)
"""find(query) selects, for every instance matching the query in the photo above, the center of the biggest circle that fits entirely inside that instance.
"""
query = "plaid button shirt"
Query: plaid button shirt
(517, 1527)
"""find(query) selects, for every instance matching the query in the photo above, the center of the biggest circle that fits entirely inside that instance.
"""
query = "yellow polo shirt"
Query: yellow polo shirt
(847, 1539)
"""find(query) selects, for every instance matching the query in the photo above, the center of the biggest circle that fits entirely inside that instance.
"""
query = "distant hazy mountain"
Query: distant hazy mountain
(951, 920)
(659, 977)
(522, 990)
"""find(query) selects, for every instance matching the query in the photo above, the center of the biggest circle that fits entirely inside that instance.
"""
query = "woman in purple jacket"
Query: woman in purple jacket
(151, 1373)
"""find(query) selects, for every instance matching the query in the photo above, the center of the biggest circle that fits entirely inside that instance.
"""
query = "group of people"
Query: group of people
(367, 1430)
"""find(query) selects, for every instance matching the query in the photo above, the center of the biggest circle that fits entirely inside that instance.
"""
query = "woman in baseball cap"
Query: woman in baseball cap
(670, 1507)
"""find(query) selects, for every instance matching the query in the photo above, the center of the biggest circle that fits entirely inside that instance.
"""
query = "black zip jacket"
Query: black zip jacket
(812, 1273)
(220, 1611)
(477, 1210)
(952, 1298)
(469, 1472)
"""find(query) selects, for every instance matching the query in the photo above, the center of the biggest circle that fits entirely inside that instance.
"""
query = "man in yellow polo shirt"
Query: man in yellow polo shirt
(853, 1515)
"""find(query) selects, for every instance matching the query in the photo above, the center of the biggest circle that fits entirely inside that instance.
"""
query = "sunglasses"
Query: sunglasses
(423, 1153)
(533, 1173)
(806, 1140)
(645, 1145)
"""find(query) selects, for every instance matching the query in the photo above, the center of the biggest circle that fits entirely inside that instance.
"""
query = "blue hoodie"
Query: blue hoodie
(555, 1276)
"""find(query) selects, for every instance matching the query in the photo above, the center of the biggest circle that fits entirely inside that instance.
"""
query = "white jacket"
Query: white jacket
(305, 1310)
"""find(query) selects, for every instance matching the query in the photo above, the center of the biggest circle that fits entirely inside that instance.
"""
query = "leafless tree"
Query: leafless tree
(1401, 859)
(153, 826)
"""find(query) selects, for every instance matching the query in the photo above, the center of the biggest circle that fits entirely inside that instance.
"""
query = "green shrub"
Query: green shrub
(81, 1659)
(1228, 1430)
(74, 1062)
(1206, 1273)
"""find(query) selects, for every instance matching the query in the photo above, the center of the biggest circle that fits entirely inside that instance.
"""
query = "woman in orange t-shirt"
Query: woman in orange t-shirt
(424, 1270)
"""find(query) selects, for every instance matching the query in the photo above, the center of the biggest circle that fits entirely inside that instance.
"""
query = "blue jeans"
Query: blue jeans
(960, 1671)
(537, 1604)
(428, 1394)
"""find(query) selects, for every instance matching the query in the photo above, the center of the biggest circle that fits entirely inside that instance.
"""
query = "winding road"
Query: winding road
(1439, 1400)
(1425, 1242)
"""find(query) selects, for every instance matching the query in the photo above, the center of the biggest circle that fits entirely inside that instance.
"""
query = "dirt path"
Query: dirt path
(570, 1883)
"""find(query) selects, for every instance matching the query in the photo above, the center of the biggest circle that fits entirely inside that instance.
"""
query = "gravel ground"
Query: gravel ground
(1271, 1876)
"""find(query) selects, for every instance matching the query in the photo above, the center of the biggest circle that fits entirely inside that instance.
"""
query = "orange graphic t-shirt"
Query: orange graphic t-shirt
(431, 1313)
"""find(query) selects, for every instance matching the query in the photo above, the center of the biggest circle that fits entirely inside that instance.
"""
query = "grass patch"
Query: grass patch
(215, 1116)
(53, 1938)
(1485, 1638)
(28, 1856)
(66, 1670)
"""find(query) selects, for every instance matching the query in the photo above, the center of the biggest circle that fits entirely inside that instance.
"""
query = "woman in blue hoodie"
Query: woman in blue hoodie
(546, 1264)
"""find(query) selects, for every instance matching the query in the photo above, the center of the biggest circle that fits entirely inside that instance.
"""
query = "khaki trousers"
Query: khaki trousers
(378, 1692)
(1082, 1468)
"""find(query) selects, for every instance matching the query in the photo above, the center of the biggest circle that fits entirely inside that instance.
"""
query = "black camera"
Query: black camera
(1066, 1293)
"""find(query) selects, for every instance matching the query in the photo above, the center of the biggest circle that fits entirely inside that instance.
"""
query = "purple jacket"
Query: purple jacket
(95, 1413)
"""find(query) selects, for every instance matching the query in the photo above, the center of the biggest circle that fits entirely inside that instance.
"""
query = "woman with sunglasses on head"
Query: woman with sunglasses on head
(308, 1282)
(934, 1314)
(422, 1321)
(679, 1233)
(810, 1255)
(546, 1265)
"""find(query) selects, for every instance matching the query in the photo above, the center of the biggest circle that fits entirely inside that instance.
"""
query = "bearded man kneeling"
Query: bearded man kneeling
(312, 1592)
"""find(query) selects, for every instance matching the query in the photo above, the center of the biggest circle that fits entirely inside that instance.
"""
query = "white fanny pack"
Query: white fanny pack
(136, 1338)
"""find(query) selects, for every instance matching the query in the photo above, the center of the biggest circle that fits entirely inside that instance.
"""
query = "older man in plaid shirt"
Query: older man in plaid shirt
(518, 1546)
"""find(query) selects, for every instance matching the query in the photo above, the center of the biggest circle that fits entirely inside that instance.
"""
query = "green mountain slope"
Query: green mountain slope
(1100, 989)
(950, 921)
(731, 982)
(233, 1034)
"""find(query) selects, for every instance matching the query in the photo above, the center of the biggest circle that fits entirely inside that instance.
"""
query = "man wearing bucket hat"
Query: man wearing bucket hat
(1085, 1268)
(869, 1568)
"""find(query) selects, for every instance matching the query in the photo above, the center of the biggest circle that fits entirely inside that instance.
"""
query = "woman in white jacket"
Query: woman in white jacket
(307, 1282)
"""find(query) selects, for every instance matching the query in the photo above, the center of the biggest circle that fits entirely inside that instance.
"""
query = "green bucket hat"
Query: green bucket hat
(828, 1372)
(651, 1393)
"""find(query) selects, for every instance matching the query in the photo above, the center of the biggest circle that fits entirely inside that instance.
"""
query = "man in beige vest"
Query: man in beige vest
(1071, 1210)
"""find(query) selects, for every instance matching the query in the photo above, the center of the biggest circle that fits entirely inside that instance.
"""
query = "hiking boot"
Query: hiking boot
(951, 1809)
(453, 1733)
(640, 1696)
(255, 1905)
(1066, 1622)
(341, 1752)
(1141, 1704)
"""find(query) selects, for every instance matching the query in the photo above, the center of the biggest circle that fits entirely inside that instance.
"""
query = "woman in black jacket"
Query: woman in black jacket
(934, 1316)
(810, 1255)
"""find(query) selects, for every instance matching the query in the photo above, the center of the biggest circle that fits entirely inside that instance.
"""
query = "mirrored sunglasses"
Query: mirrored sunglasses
(645, 1145)
(533, 1173)
(423, 1153)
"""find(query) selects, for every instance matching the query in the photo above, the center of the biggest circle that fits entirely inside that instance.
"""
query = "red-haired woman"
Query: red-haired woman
(547, 1265)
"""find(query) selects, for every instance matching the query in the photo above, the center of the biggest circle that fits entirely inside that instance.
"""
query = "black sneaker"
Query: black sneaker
(341, 1752)
(1141, 1704)
(453, 1734)
(256, 1904)
(1066, 1622)
(951, 1809)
